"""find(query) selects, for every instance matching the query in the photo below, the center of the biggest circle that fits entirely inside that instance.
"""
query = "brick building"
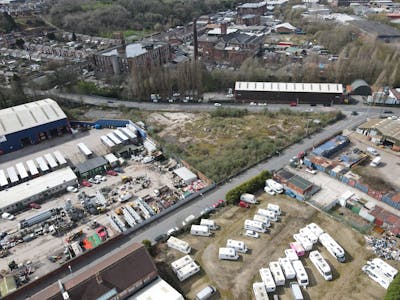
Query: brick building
(258, 8)
(248, 20)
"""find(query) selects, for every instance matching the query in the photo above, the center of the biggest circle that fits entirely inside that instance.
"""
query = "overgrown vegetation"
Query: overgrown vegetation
(90, 88)
(96, 17)
(250, 186)
(393, 291)
(223, 146)
(370, 178)
(225, 112)
(7, 23)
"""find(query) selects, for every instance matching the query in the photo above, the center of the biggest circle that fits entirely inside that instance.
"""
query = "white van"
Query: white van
(206, 293)
(372, 151)
(227, 253)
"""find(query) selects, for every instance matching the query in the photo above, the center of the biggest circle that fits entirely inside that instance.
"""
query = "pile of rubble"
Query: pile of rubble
(385, 247)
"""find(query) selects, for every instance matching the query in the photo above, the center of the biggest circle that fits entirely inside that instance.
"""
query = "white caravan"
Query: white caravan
(277, 273)
(332, 246)
(376, 275)
(239, 246)
(277, 187)
(305, 242)
(385, 268)
(268, 213)
(262, 219)
(291, 254)
(260, 291)
(315, 229)
(267, 279)
(249, 198)
(301, 274)
(210, 223)
(320, 263)
(201, 230)
(287, 267)
(179, 245)
(309, 234)
(181, 262)
(187, 271)
(227, 253)
(254, 225)
(275, 208)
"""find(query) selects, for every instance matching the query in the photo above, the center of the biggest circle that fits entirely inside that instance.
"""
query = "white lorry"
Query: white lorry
(255, 225)
(277, 273)
(200, 230)
(249, 198)
(274, 208)
(332, 246)
(227, 253)
(267, 279)
(268, 213)
(287, 267)
(320, 263)
(239, 246)
(301, 274)
(262, 219)
(179, 245)
(277, 187)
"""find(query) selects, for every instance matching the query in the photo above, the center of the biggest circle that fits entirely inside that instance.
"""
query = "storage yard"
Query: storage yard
(234, 279)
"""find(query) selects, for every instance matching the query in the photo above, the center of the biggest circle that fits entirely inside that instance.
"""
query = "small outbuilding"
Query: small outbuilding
(91, 167)
(360, 87)
(186, 175)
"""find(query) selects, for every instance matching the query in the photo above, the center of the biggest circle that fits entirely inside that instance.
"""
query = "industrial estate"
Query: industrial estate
(231, 154)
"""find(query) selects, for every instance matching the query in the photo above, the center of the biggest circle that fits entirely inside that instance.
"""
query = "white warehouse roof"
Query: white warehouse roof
(28, 115)
(289, 87)
(36, 186)
(159, 289)
(185, 174)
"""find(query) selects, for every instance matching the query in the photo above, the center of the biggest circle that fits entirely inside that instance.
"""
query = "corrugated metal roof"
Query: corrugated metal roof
(17, 118)
(334, 88)
(387, 127)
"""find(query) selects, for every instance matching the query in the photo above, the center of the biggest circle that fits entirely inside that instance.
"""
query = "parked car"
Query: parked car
(119, 170)
(173, 231)
(34, 205)
(293, 104)
(100, 178)
(111, 173)
(161, 238)
(252, 233)
(102, 232)
(86, 183)
(217, 104)
(94, 180)
(311, 171)
(72, 189)
(387, 111)
(244, 204)
(3, 235)
(354, 113)
(7, 216)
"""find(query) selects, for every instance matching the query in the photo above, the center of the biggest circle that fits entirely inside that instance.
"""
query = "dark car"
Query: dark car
(3, 235)
(161, 238)
(354, 113)
(387, 112)
(34, 205)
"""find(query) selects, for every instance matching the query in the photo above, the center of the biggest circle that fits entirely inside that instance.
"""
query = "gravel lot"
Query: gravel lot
(234, 279)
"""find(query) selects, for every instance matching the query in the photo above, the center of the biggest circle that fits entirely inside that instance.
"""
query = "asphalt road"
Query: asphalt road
(195, 206)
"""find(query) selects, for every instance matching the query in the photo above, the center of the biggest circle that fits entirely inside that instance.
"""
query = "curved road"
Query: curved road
(195, 206)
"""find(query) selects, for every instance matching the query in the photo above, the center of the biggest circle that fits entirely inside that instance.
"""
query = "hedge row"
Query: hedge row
(251, 186)
(393, 292)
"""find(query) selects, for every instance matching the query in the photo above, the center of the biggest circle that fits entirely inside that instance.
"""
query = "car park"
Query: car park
(252, 233)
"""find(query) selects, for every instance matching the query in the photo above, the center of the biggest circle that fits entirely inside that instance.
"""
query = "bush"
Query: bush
(393, 292)
(226, 112)
(250, 186)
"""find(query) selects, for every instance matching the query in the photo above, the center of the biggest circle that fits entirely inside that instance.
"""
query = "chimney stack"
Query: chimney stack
(224, 28)
(195, 43)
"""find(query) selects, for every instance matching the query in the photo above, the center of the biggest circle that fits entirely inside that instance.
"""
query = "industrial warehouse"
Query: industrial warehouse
(31, 123)
(286, 92)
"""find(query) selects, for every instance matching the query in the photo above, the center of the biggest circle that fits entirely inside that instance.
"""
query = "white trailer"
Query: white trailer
(107, 142)
(291, 254)
(287, 268)
(385, 268)
(275, 208)
(304, 241)
(84, 150)
(254, 225)
(42, 164)
(51, 161)
(60, 158)
(320, 263)
(128, 217)
(239, 246)
(134, 214)
(76, 248)
(121, 136)
(277, 273)
(267, 279)
(179, 245)
(187, 271)
(332, 246)
(227, 253)
(32, 168)
(132, 136)
(301, 274)
(306, 232)
(114, 138)
(181, 262)
(249, 198)
(23, 174)
(12, 175)
(260, 291)
(277, 187)
(210, 223)
(3, 179)
(268, 213)
(315, 229)
(262, 219)
(200, 230)
(376, 275)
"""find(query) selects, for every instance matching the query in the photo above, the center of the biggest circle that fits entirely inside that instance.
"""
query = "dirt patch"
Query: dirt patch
(234, 279)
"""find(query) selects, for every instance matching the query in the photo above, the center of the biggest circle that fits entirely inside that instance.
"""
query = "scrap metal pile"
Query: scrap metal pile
(385, 247)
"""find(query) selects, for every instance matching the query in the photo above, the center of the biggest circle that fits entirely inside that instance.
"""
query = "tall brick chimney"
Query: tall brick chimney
(195, 43)
(224, 28)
